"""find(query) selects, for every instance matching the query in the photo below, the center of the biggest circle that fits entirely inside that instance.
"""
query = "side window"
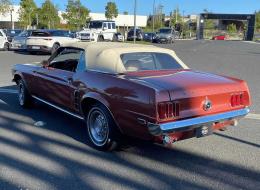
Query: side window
(114, 25)
(104, 25)
(109, 25)
(67, 59)
(82, 62)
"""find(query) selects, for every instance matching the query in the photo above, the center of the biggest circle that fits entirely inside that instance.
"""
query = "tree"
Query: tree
(5, 6)
(111, 10)
(48, 15)
(76, 14)
(257, 21)
(125, 13)
(232, 28)
(27, 13)
(175, 17)
(209, 24)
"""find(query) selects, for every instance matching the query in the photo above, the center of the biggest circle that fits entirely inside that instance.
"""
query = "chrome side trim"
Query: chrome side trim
(58, 108)
(187, 124)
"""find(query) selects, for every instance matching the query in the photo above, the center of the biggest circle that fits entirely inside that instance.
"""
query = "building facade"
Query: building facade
(11, 19)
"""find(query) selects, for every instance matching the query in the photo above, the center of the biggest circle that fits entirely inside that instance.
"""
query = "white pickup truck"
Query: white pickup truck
(4, 44)
(48, 40)
(98, 30)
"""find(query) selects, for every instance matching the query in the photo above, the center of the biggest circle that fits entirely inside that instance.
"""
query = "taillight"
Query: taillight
(237, 99)
(167, 110)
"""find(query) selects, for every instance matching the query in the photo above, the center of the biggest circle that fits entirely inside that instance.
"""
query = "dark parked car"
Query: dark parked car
(149, 36)
(165, 35)
(139, 35)
(141, 91)
(11, 34)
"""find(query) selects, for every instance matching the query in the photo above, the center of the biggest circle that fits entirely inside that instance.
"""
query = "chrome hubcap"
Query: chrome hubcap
(98, 127)
(21, 94)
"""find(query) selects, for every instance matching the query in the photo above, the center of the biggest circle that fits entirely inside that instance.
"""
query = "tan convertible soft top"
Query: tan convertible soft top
(105, 56)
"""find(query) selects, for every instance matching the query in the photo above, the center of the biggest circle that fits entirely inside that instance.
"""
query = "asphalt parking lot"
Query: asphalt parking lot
(56, 155)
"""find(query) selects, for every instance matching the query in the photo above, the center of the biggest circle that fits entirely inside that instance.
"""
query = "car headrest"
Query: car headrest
(133, 65)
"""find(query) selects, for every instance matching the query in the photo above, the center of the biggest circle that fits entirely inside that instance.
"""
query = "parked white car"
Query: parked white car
(4, 44)
(101, 30)
(48, 40)
(85, 36)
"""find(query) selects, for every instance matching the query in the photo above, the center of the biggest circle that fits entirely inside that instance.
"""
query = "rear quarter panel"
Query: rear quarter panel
(127, 100)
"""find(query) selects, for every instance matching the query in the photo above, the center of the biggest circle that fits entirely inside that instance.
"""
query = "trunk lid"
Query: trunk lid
(192, 89)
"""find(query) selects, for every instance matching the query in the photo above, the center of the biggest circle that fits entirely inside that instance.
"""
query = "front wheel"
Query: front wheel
(102, 130)
(24, 97)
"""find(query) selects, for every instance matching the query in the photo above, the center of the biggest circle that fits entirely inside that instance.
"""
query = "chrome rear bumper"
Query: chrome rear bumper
(187, 124)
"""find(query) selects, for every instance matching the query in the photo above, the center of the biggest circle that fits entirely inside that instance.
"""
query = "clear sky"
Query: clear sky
(145, 7)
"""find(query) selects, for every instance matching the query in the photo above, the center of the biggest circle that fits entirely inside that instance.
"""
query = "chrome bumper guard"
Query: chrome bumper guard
(188, 124)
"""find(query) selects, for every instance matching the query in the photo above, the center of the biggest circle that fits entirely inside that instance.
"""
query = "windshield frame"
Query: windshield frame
(165, 31)
(98, 25)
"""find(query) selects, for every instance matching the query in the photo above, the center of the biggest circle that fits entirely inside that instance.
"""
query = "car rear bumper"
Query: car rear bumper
(37, 48)
(17, 46)
(189, 124)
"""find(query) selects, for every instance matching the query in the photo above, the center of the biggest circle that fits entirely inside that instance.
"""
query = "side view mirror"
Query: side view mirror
(45, 63)
(105, 28)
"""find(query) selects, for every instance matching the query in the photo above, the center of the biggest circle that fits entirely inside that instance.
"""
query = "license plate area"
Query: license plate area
(36, 47)
(204, 131)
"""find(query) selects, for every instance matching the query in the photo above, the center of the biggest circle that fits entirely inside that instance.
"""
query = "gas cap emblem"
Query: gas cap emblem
(207, 105)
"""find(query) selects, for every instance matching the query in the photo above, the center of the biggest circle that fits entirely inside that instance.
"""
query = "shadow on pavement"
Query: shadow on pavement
(238, 140)
(24, 52)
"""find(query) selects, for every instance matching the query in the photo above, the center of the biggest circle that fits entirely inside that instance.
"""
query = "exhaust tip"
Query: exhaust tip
(234, 122)
(168, 140)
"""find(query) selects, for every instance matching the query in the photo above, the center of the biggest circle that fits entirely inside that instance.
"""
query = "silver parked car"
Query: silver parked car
(19, 42)
(165, 35)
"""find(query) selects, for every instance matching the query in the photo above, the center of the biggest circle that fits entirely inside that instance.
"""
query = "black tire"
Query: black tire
(115, 39)
(24, 97)
(6, 46)
(100, 38)
(54, 47)
(101, 128)
(33, 52)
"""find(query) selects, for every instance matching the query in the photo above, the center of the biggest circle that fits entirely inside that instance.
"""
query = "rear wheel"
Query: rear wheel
(24, 97)
(55, 47)
(102, 130)
(100, 38)
(6, 46)
(115, 38)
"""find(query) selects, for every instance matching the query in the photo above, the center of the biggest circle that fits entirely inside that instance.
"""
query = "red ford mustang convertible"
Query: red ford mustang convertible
(135, 90)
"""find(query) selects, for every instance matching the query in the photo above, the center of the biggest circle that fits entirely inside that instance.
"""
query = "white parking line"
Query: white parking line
(10, 91)
(253, 116)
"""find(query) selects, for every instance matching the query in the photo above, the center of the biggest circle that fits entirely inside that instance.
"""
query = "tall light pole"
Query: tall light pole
(153, 13)
(12, 23)
(135, 22)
